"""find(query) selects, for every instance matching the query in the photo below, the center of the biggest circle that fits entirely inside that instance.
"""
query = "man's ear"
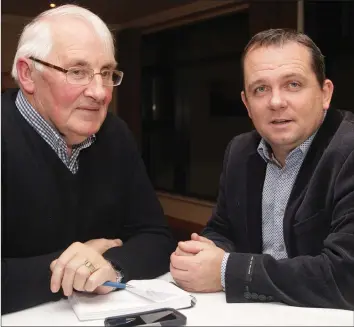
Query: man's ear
(245, 102)
(24, 73)
(327, 93)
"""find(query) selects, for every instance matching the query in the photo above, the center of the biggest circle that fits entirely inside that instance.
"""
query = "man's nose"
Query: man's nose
(95, 89)
(277, 100)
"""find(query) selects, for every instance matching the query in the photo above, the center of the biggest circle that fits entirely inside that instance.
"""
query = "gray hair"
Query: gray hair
(36, 39)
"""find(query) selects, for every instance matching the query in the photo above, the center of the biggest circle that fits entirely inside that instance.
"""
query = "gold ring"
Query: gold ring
(90, 266)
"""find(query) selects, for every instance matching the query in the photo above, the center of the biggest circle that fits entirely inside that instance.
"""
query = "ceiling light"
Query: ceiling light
(52, 5)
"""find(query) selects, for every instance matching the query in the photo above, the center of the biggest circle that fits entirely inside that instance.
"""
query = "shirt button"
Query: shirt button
(281, 247)
(247, 295)
(254, 296)
(262, 297)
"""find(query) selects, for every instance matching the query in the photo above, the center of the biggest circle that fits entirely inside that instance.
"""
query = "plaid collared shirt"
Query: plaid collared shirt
(278, 183)
(51, 135)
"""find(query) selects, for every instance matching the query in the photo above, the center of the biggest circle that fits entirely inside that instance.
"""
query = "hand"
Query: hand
(69, 270)
(200, 272)
(101, 245)
(194, 237)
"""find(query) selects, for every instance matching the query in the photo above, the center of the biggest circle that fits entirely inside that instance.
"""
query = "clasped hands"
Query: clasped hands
(196, 265)
(82, 267)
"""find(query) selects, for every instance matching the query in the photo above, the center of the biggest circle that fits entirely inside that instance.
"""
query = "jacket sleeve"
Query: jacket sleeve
(325, 280)
(218, 228)
(148, 241)
(25, 282)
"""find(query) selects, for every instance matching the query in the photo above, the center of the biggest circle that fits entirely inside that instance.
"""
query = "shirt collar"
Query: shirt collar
(265, 151)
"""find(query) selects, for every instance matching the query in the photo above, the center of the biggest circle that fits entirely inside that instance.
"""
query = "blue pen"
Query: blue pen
(117, 285)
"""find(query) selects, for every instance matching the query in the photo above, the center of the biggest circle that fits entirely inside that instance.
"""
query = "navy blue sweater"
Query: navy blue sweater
(45, 207)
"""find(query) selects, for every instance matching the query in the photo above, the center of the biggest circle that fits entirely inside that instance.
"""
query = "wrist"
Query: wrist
(118, 273)
(119, 276)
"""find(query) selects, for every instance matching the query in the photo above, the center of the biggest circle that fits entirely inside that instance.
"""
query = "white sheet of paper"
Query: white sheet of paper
(151, 291)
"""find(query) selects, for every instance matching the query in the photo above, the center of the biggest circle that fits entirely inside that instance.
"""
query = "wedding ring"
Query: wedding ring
(90, 266)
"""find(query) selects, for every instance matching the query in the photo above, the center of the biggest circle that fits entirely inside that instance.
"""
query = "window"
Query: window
(191, 105)
(331, 26)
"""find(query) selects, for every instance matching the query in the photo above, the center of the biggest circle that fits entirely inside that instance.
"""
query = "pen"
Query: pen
(117, 285)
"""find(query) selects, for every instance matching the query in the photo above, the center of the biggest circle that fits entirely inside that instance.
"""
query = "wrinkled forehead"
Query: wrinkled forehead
(270, 59)
(288, 51)
(76, 38)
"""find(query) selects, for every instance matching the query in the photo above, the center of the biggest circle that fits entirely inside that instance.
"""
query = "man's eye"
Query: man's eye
(78, 73)
(106, 73)
(294, 85)
(260, 89)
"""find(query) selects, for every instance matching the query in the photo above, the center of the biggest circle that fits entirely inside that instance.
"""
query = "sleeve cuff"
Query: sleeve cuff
(238, 276)
(223, 269)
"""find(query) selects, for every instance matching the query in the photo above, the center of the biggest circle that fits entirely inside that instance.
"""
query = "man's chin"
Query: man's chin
(80, 135)
(88, 128)
(285, 143)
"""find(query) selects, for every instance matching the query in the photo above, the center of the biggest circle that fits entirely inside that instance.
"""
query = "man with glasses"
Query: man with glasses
(84, 75)
(77, 206)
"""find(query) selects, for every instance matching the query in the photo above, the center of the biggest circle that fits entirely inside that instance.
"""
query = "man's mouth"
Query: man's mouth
(90, 108)
(281, 121)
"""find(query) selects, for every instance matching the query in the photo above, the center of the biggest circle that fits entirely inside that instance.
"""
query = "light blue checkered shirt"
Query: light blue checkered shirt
(277, 187)
(51, 135)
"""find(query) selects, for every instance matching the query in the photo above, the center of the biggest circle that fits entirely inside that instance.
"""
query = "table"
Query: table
(211, 310)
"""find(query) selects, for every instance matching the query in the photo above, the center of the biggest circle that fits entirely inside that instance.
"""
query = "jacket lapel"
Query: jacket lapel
(314, 154)
(255, 180)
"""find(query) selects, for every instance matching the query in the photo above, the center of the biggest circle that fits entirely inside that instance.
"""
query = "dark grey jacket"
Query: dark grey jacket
(318, 222)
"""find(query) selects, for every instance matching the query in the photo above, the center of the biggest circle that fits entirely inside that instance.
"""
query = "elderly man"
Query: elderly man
(283, 226)
(77, 206)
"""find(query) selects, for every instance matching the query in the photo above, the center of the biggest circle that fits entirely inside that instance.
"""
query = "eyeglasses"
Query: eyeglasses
(83, 76)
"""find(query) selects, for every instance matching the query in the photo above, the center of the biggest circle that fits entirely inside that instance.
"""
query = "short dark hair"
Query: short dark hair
(280, 36)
